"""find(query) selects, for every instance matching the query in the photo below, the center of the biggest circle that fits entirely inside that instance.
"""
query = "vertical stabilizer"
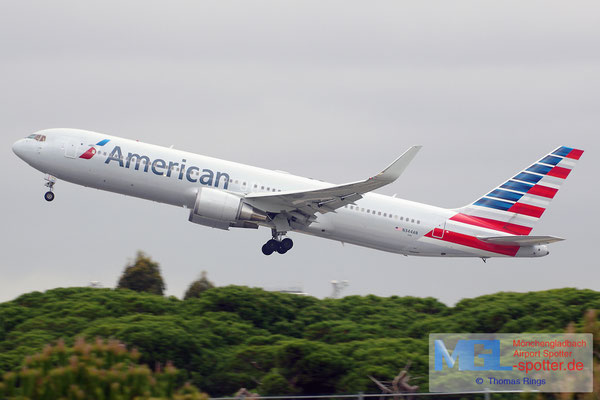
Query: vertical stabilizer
(516, 205)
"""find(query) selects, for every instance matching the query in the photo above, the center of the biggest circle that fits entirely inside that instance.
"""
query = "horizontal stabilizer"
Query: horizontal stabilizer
(520, 240)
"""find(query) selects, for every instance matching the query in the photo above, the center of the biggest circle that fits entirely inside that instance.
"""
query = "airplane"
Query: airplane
(223, 194)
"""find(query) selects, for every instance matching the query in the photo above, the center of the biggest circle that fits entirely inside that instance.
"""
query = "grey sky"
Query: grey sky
(328, 89)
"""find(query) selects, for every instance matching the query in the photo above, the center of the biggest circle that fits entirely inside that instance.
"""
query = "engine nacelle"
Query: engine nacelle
(220, 209)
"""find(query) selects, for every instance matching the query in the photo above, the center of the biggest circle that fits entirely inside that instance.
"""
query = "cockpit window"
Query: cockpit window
(39, 138)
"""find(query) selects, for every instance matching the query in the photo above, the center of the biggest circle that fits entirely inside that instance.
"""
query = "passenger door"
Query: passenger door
(438, 231)
(71, 148)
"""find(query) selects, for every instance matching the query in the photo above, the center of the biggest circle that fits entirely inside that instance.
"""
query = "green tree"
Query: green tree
(275, 384)
(314, 367)
(232, 337)
(198, 286)
(100, 370)
(142, 276)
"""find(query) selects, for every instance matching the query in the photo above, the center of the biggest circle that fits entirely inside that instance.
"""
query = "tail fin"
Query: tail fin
(516, 205)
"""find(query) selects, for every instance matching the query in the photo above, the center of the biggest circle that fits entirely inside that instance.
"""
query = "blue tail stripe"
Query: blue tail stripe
(562, 151)
(491, 203)
(505, 195)
(518, 186)
(539, 168)
(524, 176)
(102, 142)
(551, 160)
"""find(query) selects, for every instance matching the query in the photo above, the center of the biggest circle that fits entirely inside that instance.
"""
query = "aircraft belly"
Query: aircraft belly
(356, 229)
(384, 235)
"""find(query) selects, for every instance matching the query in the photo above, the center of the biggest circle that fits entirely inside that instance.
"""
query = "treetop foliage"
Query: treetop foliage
(198, 286)
(142, 276)
(275, 343)
(99, 370)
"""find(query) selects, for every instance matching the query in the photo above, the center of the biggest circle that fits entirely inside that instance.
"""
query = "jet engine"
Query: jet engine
(220, 209)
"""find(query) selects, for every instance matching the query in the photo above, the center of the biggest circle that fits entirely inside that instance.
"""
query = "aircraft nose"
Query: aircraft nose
(19, 148)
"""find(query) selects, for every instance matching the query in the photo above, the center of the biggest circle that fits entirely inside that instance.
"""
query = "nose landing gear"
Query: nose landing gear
(50, 181)
(277, 244)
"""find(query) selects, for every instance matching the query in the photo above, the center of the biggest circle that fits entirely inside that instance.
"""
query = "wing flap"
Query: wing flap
(521, 240)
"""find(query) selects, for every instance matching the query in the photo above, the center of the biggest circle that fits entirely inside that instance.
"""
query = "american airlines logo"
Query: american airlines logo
(92, 150)
(161, 167)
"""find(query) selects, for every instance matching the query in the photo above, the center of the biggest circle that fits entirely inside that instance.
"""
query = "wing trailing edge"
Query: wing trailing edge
(330, 198)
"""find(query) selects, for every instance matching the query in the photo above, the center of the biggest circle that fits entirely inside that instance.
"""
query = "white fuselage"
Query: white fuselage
(173, 177)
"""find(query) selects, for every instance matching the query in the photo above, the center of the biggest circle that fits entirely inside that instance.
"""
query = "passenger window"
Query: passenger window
(362, 209)
(418, 222)
(379, 213)
(412, 221)
(401, 218)
(255, 186)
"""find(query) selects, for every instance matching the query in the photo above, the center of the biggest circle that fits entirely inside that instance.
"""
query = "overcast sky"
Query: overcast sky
(333, 90)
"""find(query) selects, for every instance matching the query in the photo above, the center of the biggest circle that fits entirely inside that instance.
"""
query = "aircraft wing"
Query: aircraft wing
(521, 240)
(328, 199)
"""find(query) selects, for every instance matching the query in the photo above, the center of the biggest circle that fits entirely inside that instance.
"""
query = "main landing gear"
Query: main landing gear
(277, 244)
(50, 181)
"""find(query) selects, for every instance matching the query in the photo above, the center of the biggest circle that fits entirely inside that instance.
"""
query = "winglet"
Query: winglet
(395, 169)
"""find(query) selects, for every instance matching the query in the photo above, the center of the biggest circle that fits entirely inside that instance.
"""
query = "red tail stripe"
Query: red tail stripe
(472, 241)
(575, 154)
(559, 172)
(544, 191)
(526, 209)
(492, 224)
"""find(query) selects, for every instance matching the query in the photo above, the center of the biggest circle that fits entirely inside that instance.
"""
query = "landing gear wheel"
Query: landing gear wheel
(272, 245)
(269, 247)
(286, 244)
(50, 182)
(277, 244)
(266, 250)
